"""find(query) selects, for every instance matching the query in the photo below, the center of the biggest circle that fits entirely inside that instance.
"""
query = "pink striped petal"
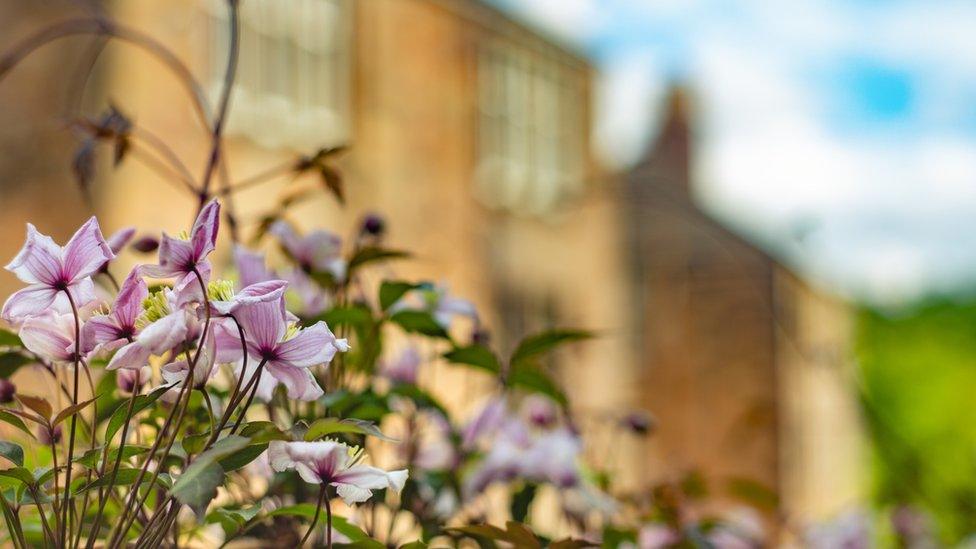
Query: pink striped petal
(31, 301)
(39, 261)
(313, 345)
(300, 383)
(86, 252)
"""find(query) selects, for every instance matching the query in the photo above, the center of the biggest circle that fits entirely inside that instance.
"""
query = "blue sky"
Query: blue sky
(850, 122)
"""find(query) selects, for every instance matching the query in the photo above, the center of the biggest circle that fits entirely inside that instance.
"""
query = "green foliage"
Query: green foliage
(918, 369)
(330, 425)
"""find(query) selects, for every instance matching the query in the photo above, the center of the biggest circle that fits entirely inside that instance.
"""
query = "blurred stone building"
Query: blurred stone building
(746, 366)
(469, 133)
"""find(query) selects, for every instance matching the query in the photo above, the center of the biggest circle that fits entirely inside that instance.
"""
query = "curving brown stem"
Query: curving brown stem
(221, 119)
(73, 423)
(103, 27)
(315, 519)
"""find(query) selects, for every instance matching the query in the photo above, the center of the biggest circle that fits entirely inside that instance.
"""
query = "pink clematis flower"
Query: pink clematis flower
(53, 271)
(271, 290)
(317, 251)
(176, 372)
(173, 326)
(179, 258)
(336, 464)
(287, 353)
(404, 368)
(309, 298)
(51, 336)
(105, 333)
(438, 302)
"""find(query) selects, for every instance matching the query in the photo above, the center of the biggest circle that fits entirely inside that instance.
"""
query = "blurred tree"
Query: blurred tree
(919, 371)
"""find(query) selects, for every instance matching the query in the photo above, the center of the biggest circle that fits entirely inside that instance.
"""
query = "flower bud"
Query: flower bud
(373, 225)
(128, 380)
(146, 244)
(481, 337)
(640, 423)
(7, 391)
(49, 437)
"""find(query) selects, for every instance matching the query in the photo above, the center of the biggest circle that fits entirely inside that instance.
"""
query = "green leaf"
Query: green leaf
(70, 410)
(10, 362)
(232, 520)
(521, 501)
(306, 510)
(198, 484)
(354, 533)
(263, 431)
(7, 417)
(330, 425)
(353, 315)
(194, 444)
(478, 356)
(371, 254)
(537, 381)
(9, 339)
(572, 543)
(141, 403)
(414, 545)
(18, 473)
(545, 342)
(239, 459)
(420, 397)
(392, 290)
(419, 322)
(125, 477)
(13, 452)
(92, 457)
(37, 404)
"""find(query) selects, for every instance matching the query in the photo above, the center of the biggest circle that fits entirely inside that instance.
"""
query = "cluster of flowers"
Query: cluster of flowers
(193, 324)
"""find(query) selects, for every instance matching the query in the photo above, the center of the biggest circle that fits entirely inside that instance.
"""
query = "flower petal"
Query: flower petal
(313, 345)
(203, 235)
(128, 304)
(263, 322)
(86, 252)
(100, 329)
(165, 333)
(351, 494)
(39, 261)
(120, 238)
(32, 300)
(250, 266)
(175, 258)
(132, 356)
(300, 382)
(48, 336)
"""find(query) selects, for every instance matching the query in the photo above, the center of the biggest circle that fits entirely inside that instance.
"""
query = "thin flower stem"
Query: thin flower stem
(256, 381)
(165, 172)
(88, 477)
(74, 418)
(210, 409)
(48, 534)
(231, 401)
(315, 518)
(187, 389)
(261, 177)
(160, 146)
(115, 469)
(218, 125)
(55, 506)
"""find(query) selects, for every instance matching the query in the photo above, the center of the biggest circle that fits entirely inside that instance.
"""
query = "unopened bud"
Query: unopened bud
(7, 391)
(49, 436)
(374, 225)
(638, 422)
(146, 244)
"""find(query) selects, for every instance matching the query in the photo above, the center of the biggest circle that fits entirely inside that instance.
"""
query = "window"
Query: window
(530, 132)
(293, 79)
